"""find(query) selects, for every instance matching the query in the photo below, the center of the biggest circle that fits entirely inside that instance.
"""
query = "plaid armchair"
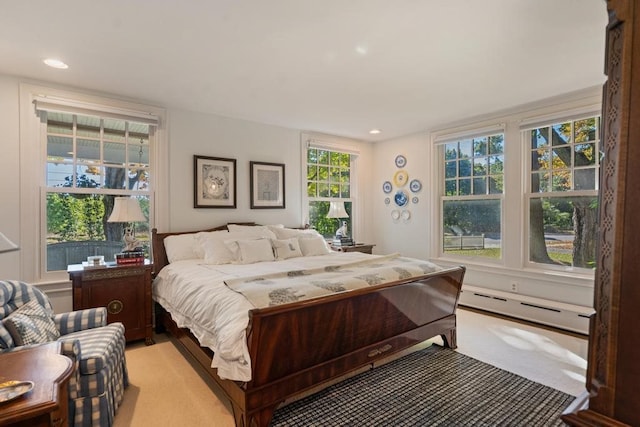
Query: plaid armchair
(96, 388)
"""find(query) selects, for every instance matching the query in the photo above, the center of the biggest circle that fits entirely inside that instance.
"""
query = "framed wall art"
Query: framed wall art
(214, 182)
(267, 185)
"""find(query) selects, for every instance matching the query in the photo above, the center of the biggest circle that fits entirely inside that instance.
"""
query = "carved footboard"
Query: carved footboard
(299, 346)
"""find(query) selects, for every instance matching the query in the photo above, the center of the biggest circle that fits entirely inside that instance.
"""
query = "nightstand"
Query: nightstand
(358, 247)
(125, 290)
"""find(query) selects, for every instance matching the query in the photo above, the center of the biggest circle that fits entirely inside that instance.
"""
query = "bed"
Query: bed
(291, 347)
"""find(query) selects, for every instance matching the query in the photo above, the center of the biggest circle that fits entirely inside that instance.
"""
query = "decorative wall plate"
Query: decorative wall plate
(387, 200)
(387, 187)
(415, 199)
(395, 214)
(415, 185)
(400, 178)
(406, 215)
(401, 161)
(401, 198)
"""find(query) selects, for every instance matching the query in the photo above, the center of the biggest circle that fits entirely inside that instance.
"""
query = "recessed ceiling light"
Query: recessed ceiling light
(375, 131)
(56, 63)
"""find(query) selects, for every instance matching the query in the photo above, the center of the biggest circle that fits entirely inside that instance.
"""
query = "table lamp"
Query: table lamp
(337, 210)
(127, 210)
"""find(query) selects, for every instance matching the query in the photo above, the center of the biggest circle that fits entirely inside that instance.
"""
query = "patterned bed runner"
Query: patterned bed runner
(291, 286)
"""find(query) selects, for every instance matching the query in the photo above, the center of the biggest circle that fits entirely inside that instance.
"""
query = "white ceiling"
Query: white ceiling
(340, 67)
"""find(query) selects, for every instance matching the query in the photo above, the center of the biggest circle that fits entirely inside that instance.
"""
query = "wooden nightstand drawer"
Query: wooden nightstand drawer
(125, 290)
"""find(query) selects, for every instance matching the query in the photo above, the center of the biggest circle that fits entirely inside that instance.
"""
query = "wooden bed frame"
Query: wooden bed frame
(298, 346)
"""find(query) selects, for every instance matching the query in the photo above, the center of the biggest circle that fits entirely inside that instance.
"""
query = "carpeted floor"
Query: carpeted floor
(432, 387)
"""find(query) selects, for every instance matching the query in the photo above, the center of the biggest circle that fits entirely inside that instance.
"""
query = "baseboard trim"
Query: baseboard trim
(569, 317)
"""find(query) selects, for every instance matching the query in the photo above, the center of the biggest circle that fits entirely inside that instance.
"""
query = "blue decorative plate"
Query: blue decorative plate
(401, 161)
(415, 185)
(401, 198)
(386, 187)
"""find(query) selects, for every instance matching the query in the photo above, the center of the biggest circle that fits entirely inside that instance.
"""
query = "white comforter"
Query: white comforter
(197, 298)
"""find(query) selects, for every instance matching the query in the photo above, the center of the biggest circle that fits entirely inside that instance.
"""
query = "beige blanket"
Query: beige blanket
(281, 288)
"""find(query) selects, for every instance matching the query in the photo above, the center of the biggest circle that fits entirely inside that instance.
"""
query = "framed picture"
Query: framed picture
(267, 185)
(214, 182)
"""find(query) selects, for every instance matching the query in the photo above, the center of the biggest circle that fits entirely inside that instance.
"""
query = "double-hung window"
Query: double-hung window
(92, 157)
(329, 178)
(472, 194)
(563, 166)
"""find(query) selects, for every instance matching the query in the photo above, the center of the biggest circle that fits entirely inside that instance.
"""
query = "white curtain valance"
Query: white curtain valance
(332, 146)
(50, 103)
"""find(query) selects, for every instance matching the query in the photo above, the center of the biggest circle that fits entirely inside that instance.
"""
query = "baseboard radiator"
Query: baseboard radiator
(560, 315)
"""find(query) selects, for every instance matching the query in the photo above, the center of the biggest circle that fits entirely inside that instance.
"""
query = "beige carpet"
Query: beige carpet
(165, 390)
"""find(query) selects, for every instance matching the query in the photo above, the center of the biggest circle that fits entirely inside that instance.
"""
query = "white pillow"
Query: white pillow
(313, 246)
(181, 246)
(217, 252)
(251, 251)
(288, 233)
(284, 249)
(202, 236)
(251, 230)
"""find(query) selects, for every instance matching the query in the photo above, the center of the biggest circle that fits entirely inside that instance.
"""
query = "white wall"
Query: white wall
(409, 237)
(193, 133)
(10, 173)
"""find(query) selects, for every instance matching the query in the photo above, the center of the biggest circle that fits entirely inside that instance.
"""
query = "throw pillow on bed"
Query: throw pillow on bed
(285, 249)
(314, 246)
(180, 246)
(250, 251)
(217, 252)
(288, 233)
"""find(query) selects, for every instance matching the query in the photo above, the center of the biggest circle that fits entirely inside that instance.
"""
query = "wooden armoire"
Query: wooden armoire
(613, 371)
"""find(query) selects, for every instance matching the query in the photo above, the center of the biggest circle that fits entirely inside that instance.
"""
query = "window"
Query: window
(473, 187)
(563, 189)
(329, 178)
(91, 160)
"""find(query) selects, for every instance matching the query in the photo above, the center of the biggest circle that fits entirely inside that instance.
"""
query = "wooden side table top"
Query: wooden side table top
(47, 368)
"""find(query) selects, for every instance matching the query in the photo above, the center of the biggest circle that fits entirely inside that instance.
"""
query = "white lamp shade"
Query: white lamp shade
(7, 245)
(337, 210)
(126, 209)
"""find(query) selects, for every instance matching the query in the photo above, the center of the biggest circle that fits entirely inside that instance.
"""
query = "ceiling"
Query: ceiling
(340, 67)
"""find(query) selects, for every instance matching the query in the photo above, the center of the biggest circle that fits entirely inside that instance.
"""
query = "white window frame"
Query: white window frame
(33, 150)
(525, 129)
(439, 141)
(325, 142)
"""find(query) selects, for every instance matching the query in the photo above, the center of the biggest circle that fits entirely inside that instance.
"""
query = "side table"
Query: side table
(125, 290)
(47, 404)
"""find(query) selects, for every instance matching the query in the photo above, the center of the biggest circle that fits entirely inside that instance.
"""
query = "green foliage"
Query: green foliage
(473, 216)
(73, 218)
(323, 225)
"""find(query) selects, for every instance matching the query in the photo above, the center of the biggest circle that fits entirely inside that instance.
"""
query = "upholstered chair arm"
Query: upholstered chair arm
(71, 349)
(80, 320)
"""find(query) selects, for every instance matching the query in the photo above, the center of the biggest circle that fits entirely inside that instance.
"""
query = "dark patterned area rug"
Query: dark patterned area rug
(432, 387)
